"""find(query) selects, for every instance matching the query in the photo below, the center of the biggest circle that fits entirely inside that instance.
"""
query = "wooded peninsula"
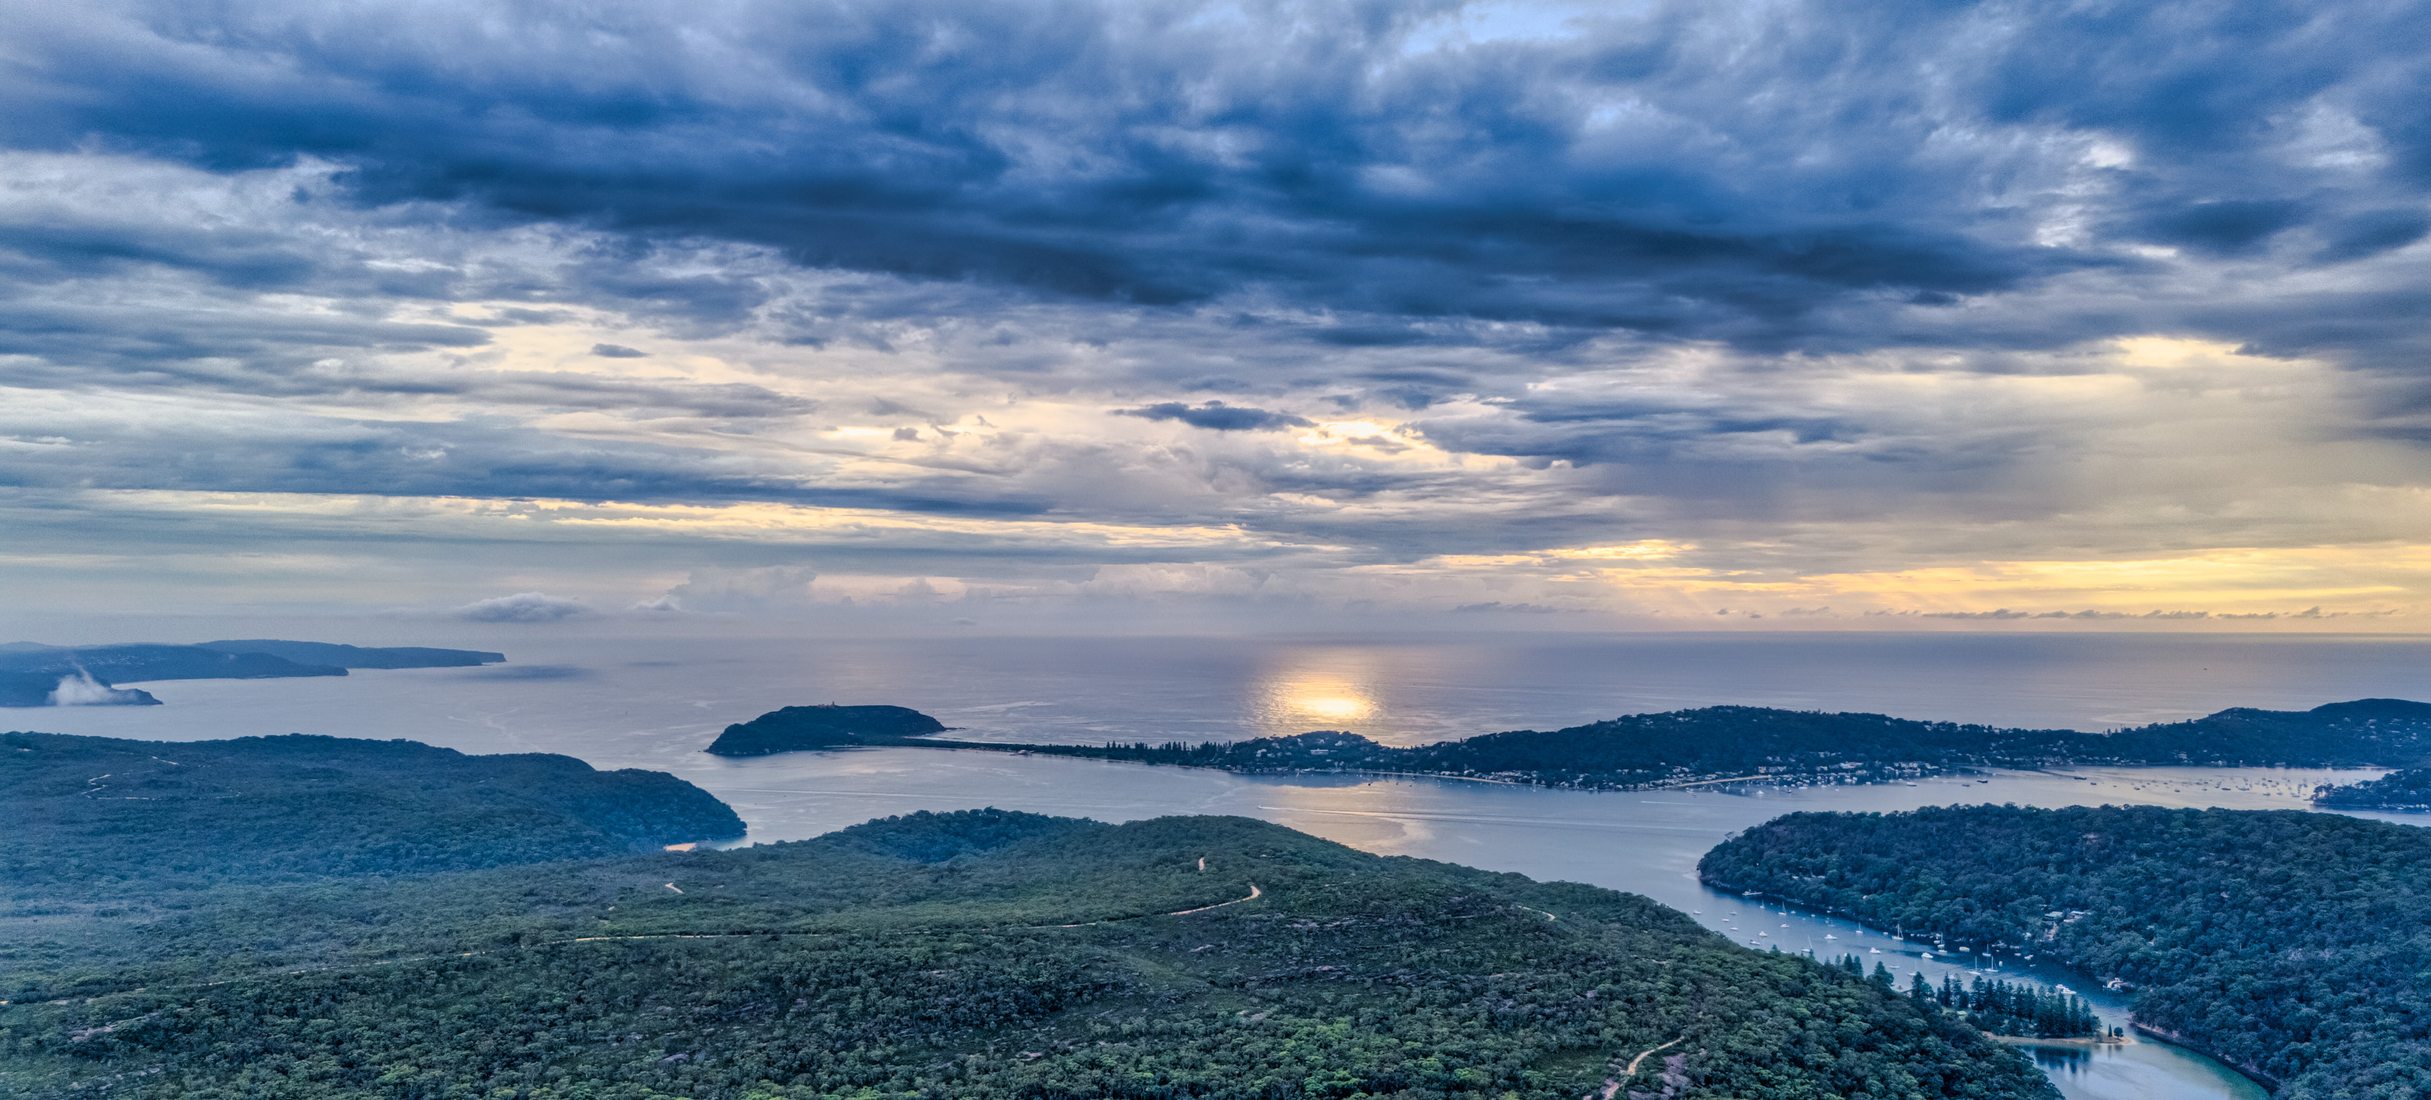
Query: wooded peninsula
(2294, 945)
(1704, 746)
(35, 675)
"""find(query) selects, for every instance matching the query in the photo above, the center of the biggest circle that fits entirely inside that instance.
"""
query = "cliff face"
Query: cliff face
(796, 729)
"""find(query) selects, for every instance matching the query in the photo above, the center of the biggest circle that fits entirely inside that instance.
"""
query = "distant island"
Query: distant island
(34, 675)
(2406, 790)
(2295, 946)
(983, 955)
(1711, 745)
(796, 729)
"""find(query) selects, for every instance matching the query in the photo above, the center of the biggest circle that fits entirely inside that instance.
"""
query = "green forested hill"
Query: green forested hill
(96, 818)
(2408, 789)
(2295, 944)
(973, 955)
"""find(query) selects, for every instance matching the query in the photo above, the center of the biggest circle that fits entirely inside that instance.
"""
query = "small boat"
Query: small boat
(1875, 950)
(1830, 936)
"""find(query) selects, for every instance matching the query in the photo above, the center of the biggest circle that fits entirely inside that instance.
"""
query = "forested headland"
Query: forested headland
(99, 819)
(2405, 790)
(34, 675)
(2294, 945)
(1744, 744)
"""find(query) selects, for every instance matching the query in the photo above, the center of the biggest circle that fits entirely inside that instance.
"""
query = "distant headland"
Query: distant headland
(35, 675)
(1701, 747)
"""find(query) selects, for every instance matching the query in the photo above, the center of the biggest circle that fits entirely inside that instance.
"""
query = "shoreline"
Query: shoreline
(2088, 1042)
(1722, 784)
(2138, 1033)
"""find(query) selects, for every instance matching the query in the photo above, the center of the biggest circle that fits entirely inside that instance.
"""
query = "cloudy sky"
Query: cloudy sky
(1818, 315)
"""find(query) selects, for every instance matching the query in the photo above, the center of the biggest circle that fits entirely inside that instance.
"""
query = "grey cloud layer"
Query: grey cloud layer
(1664, 260)
(1694, 170)
(1218, 416)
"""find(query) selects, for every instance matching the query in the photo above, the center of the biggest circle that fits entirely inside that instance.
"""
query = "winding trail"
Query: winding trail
(1253, 895)
(1612, 1084)
(1631, 1070)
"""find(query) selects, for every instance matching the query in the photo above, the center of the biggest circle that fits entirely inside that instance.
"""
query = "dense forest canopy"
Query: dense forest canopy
(1754, 743)
(103, 818)
(2015, 1009)
(2297, 945)
(972, 955)
(330, 919)
(2407, 789)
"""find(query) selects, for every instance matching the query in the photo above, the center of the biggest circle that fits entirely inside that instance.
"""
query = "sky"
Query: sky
(1413, 315)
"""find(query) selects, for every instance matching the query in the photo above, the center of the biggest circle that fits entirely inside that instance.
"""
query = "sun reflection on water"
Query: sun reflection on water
(1302, 695)
(1333, 706)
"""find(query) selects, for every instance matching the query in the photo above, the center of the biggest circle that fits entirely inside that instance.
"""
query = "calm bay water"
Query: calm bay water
(655, 701)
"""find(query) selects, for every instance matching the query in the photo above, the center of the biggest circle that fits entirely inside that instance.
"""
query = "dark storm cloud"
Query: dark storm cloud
(2372, 232)
(236, 258)
(484, 458)
(79, 348)
(1218, 416)
(2220, 228)
(1129, 154)
(1586, 433)
(1692, 171)
(168, 340)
